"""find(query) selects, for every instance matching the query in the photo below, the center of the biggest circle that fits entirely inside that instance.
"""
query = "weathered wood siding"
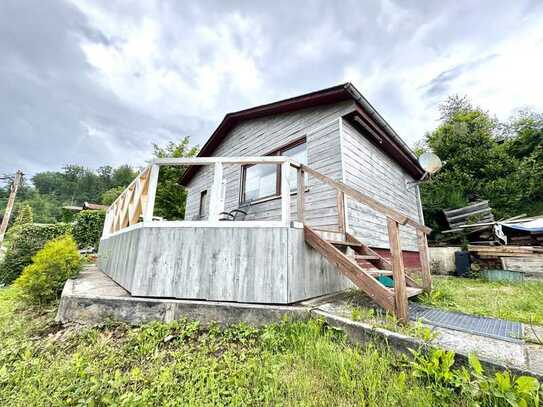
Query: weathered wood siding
(219, 264)
(372, 172)
(258, 137)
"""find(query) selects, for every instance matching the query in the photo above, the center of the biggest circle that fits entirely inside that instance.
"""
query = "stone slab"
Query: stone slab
(94, 298)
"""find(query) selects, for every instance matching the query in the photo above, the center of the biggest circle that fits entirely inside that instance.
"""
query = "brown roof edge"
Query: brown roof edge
(333, 94)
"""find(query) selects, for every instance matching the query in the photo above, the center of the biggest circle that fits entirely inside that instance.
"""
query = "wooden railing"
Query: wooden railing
(394, 220)
(136, 203)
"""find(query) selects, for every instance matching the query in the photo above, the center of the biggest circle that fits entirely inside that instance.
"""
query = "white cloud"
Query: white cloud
(125, 75)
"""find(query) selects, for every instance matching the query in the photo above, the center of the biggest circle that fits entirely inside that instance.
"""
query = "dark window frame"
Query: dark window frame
(278, 151)
(202, 207)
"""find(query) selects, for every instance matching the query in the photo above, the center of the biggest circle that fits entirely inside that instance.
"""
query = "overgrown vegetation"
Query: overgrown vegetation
(87, 228)
(180, 363)
(484, 159)
(512, 301)
(42, 281)
(24, 242)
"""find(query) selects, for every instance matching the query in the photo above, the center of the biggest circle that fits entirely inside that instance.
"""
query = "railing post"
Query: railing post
(301, 192)
(216, 203)
(340, 199)
(285, 193)
(424, 261)
(398, 272)
(151, 193)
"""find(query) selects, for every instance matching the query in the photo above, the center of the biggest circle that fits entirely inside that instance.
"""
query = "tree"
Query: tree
(484, 159)
(171, 197)
(111, 195)
(123, 176)
(25, 215)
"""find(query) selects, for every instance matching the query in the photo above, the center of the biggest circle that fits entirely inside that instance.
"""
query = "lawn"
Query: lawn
(514, 301)
(290, 363)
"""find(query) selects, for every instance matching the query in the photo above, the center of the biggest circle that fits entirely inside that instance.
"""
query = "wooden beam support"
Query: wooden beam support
(340, 201)
(285, 193)
(301, 197)
(398, 272)
(424, 261)
(216, 203)
(151, 193)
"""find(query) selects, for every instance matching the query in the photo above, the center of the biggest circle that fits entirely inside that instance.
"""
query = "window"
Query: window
(202, 212)
(261, 181)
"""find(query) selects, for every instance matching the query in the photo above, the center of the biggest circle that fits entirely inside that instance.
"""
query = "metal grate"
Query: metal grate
(493, 328)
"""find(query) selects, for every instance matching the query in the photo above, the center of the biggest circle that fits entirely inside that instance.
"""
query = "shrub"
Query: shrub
(24, 244)
(42, 281)
(87, 228)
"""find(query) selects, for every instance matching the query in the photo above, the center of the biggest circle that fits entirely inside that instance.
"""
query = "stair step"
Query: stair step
(377, 272)
(366, 257)
(344, 243)
(411, 291)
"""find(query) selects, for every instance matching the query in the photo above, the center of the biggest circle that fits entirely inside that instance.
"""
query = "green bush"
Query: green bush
(87, 228)
(24, 244)
(42, 281)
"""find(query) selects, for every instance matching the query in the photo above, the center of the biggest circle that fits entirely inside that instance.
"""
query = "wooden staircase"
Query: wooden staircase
(362, 266)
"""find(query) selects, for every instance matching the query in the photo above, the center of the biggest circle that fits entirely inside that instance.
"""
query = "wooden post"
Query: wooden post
(9, 206)
(340, 199)
(301, 192)
(285, 193)
(424, 261)
(151, 193)
(216, 202)
(398, 273)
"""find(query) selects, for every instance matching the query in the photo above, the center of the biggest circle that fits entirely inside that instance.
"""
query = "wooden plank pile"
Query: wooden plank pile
(506, 251)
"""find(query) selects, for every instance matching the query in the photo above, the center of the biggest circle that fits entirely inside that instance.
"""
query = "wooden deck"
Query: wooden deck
(279, 261)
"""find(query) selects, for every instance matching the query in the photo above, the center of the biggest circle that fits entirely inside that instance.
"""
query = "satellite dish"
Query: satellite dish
(430, 163)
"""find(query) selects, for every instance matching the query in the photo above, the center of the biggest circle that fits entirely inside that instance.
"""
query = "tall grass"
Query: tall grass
(181, 364)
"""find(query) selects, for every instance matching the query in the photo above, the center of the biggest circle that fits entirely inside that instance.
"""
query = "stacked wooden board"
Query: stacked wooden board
(506, 251)
(526, 259)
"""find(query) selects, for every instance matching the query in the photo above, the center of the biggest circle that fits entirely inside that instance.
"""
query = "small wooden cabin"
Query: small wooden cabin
(328, 200)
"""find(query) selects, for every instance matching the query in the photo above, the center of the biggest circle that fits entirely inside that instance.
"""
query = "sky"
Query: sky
(98, 82)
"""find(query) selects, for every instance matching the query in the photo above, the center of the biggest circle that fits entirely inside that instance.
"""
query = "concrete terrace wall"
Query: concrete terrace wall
(260, 265)
(369, 170)
(259, 137)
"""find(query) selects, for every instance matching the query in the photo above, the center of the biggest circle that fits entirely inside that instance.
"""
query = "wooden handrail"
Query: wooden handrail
(366, 200)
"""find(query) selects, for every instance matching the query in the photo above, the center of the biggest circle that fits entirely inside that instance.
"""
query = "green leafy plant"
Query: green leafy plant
(436, 369)
(87, 228)
(24, 244)
(42, 281)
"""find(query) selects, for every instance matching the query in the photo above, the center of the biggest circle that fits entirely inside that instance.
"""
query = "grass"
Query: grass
(513, 301)
(290, 363)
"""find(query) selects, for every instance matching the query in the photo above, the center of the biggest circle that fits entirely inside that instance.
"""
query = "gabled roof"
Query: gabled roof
(365, 118)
